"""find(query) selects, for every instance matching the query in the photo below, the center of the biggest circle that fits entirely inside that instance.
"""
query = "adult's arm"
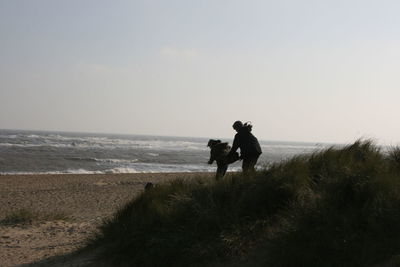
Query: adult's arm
(235, 145)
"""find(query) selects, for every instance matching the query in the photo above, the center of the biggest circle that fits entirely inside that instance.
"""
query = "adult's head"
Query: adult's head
(237, 125)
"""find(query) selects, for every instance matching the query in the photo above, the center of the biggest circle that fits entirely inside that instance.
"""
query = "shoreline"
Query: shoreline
(85, 199)
(101, 173)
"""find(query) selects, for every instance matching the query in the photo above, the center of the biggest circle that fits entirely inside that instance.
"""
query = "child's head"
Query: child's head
(213, 142)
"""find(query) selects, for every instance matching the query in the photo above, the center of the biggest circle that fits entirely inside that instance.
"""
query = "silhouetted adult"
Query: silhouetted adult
(250, 149)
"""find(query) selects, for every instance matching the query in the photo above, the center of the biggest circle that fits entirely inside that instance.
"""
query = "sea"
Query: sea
(42, 152)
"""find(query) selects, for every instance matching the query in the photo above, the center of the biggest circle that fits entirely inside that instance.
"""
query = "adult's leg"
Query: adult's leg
(248, 164)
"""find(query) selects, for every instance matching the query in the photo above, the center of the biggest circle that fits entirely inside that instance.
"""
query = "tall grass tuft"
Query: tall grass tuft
(186, 222)
(354, 221)
(337, 207)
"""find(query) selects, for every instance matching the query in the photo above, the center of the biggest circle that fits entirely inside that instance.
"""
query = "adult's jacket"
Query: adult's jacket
(247, 142)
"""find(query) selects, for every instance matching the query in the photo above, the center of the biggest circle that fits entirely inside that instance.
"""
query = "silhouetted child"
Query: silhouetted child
(219, 152)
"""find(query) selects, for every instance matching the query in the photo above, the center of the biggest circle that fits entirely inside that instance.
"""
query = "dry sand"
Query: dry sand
(86, 199)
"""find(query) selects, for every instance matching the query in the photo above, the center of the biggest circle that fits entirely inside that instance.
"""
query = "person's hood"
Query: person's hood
(245, 129)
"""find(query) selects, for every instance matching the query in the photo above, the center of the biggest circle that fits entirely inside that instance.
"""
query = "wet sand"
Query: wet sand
(86, 200)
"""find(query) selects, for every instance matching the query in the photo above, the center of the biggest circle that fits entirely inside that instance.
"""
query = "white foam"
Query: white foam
(117, 160)
(137, 168)
(33, 136)
(34, 145)
(9, 145)
(168, 168)
(11, 136)
(82, 171)
(91, 142)
(77, 171)
(103, 160)
(121, 170)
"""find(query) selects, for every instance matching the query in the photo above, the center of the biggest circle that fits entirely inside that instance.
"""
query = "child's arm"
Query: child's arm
(211, 160)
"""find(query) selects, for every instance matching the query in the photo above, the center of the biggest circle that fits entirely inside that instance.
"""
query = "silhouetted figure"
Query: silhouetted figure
(250, 149)
(219, 152)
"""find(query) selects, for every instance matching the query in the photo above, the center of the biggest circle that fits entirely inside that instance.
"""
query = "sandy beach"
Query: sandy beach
(86, 200)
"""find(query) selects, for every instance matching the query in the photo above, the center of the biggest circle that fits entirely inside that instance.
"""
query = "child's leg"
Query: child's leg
(221, 170)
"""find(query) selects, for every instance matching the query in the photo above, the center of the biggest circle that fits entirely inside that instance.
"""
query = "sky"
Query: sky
(310, 70)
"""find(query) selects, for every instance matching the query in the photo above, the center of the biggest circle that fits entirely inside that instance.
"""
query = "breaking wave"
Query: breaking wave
(102, 160)
(59, 141)
(34, 152)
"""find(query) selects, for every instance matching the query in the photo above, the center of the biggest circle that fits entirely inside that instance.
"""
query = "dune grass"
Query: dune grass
(337, 207)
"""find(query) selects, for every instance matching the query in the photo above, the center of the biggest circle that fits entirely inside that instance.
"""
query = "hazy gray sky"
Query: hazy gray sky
(299, 70)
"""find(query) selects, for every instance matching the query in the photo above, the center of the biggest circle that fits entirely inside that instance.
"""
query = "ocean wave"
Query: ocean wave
(114, 142)
(82, 171)
(28, 145)
(102, 160)
(76, 171)
(183, 145)
(291, 146)
(133, 168)
(119, 160)
(121, 170)
(81, 159)
(10, 136)
(33, 136)
(59, 141)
